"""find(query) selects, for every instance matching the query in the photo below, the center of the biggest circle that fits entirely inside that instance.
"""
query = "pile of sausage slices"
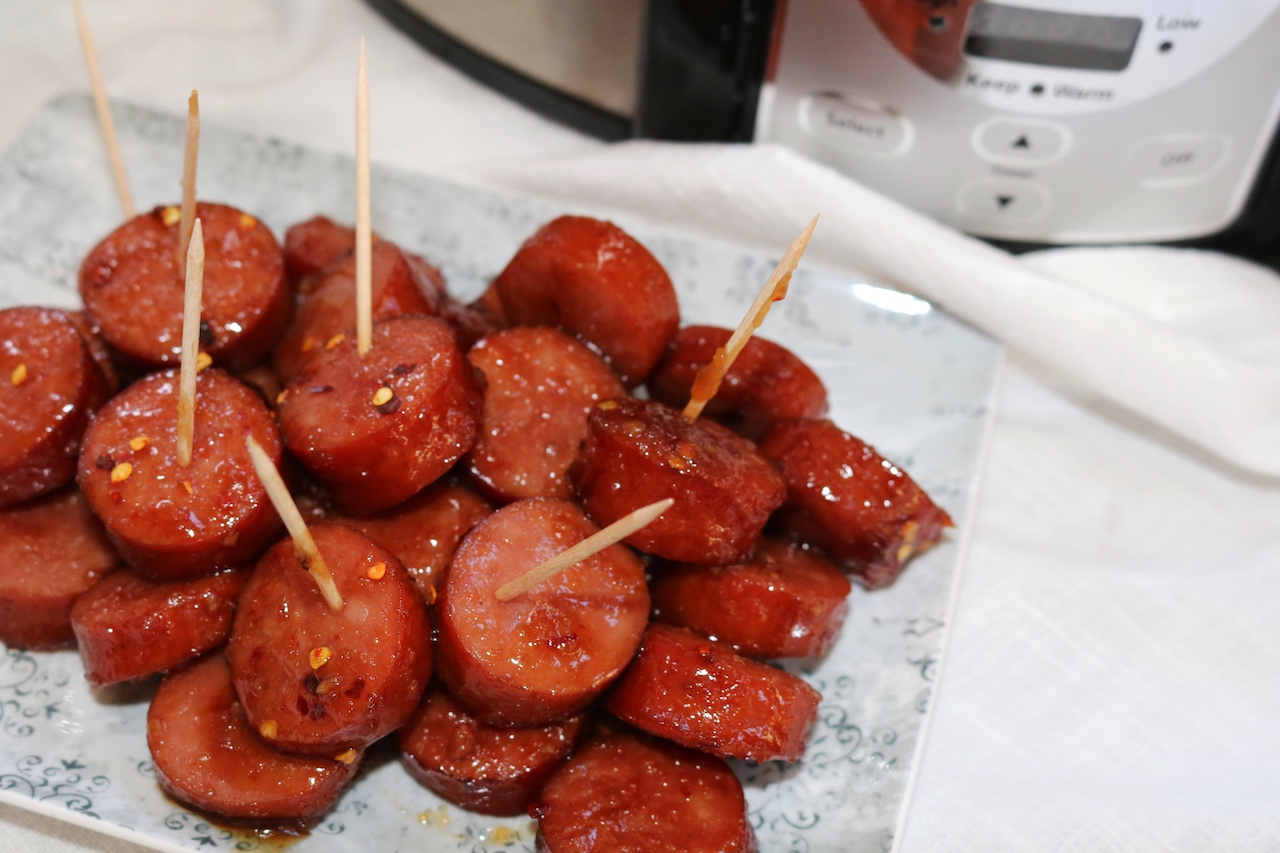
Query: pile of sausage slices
(469, 444)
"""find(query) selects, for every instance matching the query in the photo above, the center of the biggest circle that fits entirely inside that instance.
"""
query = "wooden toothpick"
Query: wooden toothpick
(707, 382)
(190, 345)
(364, 227)
(189, 155)
(593, 544)
(304, 547)
(104, 112)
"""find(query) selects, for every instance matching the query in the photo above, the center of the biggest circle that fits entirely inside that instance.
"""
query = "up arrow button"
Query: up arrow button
(1023, 141)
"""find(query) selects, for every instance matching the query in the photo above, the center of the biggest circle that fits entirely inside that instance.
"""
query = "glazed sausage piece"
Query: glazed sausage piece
(326, 310)
(628, 794)
(482, 768)
(317, 682)
(640, 451)
(169, 521)
(52, 550)
(540, 386)
(786, 602)
(767, 382)
(49, 387)
(424, 531)
(545, 654)
(863, 511)
(591, 279)
(131, 287)
(375, 429)
(128, 627)
(317, 243)
(207, 756)
(702, 694)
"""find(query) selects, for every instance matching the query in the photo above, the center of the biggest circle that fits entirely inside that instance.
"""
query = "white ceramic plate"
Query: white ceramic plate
(902, 375)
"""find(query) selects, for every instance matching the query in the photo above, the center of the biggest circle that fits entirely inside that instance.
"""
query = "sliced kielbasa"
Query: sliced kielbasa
(482, 768)
(131, 287)
(128, 627)
(786, 602)
(52, 550)
(640, 451)
(545, 654)
(424, 531)
(377, 428)
(49, 387)
(629, 794)
(765, 383)
(702, 694)
(317, 682)
(594, 281)
(207, 756)
(169, 521)
(859, 508)
(317, 243)
(540, 385)
(401, 284)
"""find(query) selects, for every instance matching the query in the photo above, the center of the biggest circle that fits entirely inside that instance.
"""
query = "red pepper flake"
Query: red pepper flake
(203, 360)
(186, 484)
(206, 334)
(319, 656)
(121, 472)
(282, 396)
(19, 375)
(377, 570)
(431, 594)
(137, 443)
(346, 757)
(170, 215)
(309, 343)
(116, 497)
(105, 462)
(269, 729)
(386, 401)
(402, 369)
(246, 222)
(334, 341)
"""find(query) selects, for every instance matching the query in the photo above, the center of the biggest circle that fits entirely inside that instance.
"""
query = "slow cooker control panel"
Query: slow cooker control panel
(1060, 122)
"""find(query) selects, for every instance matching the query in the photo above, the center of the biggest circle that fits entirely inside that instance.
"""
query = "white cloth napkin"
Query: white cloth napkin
(1189, 339)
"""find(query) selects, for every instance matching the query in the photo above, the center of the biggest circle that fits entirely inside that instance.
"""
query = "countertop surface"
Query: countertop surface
(1113, 670)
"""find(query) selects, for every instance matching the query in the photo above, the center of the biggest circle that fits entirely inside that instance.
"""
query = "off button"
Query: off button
(855, 125)
(1177, 159)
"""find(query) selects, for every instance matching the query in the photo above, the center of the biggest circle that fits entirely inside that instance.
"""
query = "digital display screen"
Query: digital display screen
(1061, 39)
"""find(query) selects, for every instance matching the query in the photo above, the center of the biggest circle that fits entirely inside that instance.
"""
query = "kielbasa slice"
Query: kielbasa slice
(49, 387)
(863, 511)
(317, 682)
(207, 755)
(767, 382)
(482, 768)
(128, 627)
(131, 287)
(630, 794)
(375, 429)
(170, 521)
(640, 451)
(52, 550)
(702, 694)
(786, 602)
(401, 284)
(541, 385)
(594, 281)
(317, 243)
(424, 531)
(545, 654)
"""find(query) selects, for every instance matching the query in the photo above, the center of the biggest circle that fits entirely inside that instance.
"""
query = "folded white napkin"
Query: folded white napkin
(1189, 339)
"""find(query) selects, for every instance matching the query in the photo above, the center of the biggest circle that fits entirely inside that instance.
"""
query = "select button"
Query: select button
(855, 125)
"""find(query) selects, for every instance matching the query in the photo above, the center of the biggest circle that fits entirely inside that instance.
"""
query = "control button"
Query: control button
(1003, 200)
(1027, 141)
(1176, 160)
(855, 125)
